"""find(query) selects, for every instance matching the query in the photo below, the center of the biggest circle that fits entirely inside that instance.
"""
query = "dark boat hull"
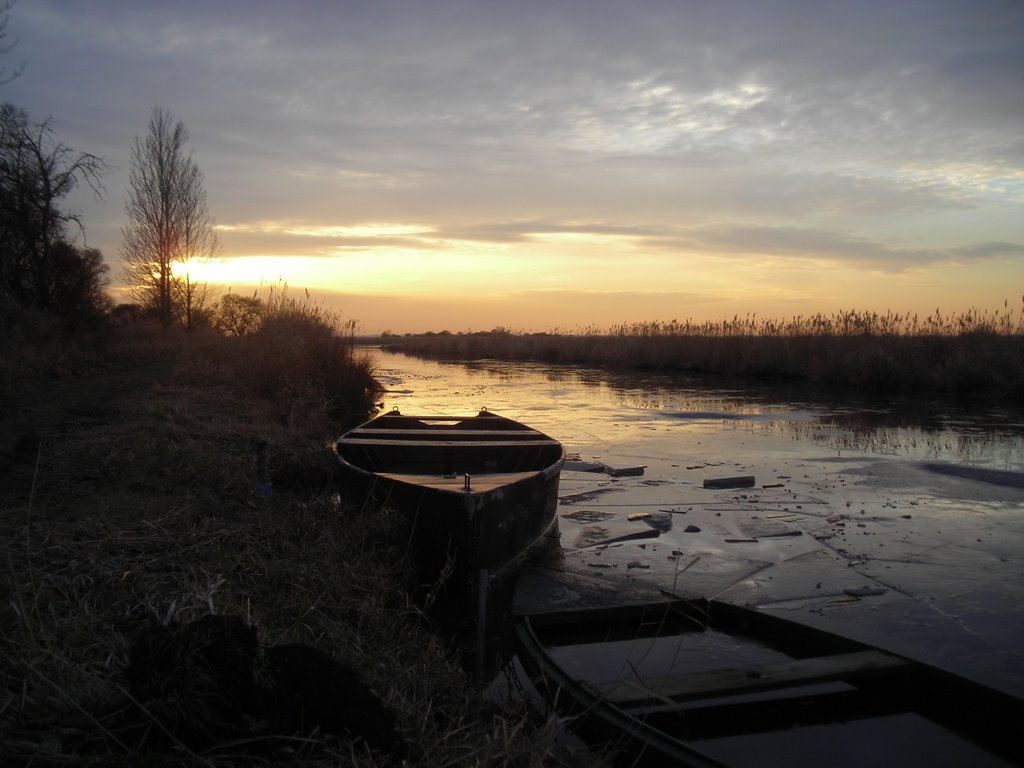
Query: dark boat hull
(476, 492)
(824, 683)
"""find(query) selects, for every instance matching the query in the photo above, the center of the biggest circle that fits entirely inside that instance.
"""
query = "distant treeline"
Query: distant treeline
(850, 352)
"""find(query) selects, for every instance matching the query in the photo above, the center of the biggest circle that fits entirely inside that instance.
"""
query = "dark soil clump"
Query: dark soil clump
(204, 682)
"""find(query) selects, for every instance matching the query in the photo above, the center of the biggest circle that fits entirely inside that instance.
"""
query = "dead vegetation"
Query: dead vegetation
(141, 510)
(848, 353)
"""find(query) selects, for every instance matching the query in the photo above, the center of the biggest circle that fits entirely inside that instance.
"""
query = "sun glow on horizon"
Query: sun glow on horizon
(417, 277)
(248, 270)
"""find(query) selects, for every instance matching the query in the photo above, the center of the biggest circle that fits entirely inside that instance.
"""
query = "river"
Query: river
(899, 523)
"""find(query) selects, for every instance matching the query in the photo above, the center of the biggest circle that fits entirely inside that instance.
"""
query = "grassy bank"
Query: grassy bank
(849, 353)
(129, 508)
(34, 347)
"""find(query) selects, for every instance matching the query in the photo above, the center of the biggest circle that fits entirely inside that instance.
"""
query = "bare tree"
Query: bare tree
(239, 315)
(36, 172)
(5, 76)
(168, 222)
(192, 301)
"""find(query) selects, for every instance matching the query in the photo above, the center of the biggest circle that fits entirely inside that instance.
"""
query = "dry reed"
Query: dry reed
(976, 353)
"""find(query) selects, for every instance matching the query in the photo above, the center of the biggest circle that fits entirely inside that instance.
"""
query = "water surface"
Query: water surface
(899, 523)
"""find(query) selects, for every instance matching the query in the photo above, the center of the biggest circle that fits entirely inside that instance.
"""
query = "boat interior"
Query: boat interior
(446, 447)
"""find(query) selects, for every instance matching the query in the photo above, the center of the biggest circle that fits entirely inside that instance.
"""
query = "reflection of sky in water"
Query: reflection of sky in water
(579, 405)
(847, 486)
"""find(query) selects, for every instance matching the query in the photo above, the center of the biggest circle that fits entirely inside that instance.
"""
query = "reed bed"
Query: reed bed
(977, 353)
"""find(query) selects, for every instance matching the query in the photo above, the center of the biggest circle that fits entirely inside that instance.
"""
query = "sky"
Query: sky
(454, 165)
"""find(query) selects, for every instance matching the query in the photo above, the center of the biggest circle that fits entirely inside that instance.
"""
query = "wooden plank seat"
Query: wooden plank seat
(447, 434)
(727, 682)
(480, 483)
(438, 442)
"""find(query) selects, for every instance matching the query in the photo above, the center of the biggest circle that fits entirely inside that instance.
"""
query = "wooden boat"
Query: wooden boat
(705, 683)
(478, 491)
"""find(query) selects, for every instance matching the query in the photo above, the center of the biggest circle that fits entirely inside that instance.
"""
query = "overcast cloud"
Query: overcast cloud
(883, 135)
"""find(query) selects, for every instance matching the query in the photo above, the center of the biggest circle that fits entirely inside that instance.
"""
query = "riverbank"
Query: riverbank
(849, 354)
(133, 507)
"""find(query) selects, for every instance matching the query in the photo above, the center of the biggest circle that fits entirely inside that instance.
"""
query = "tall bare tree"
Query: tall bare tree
(168, 221)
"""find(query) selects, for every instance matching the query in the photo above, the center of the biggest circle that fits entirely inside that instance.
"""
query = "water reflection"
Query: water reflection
(596, 400)
(991, 449)
(898, 498)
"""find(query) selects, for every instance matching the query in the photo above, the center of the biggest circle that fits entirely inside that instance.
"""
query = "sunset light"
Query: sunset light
(488, 168)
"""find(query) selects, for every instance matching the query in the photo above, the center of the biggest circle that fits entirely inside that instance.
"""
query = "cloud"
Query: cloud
(792, 130)
(986, 251)
(597, 242)
(838, 247)
(523, 231)
(326, 240)
(872, 80)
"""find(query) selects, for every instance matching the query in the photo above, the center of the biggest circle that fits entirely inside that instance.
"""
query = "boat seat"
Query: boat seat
(435, 442)
(446, 434)
(727, 682)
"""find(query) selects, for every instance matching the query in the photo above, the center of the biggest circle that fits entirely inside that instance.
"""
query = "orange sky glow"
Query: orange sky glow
(569, 282)
(564, 166)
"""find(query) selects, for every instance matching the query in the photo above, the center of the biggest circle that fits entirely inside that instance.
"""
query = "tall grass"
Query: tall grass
(302, 350)
(848, 352)
(300, 355)
(843, 323)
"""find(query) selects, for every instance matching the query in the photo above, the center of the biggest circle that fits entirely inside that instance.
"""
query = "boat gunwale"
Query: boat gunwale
(587, 704)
